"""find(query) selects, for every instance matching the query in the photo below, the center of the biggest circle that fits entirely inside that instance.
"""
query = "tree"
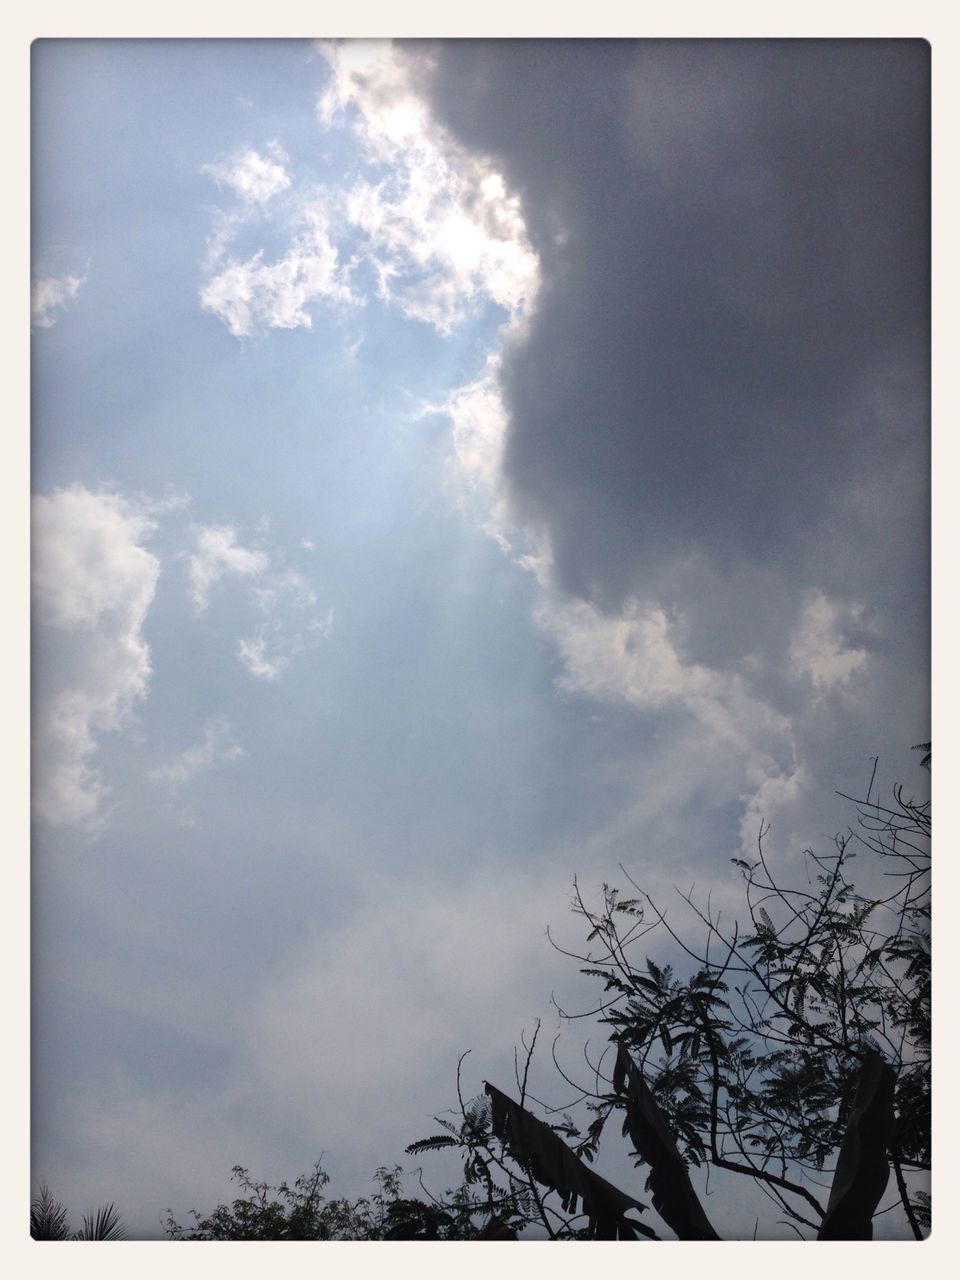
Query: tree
(301, 1211)
(48, 1220)
(792, 1049)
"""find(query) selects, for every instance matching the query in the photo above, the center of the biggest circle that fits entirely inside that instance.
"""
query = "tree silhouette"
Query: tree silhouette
(302, 1211)
(792, 1049)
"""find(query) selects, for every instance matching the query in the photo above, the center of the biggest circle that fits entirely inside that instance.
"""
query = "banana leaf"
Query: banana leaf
(551, 1162)
(862, 1170)
(673, 1195)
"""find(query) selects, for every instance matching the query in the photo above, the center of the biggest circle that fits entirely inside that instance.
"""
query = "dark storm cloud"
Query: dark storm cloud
(730, 349)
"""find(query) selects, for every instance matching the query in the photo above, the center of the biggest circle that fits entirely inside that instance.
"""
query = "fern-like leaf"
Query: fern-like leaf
(431, 1144)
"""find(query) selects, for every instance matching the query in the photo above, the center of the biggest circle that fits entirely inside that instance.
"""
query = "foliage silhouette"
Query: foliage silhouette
(301, 1211)
(673, 1195)
(48, 1220)
(551, 1163)
(792, 1050)
(862, 1171)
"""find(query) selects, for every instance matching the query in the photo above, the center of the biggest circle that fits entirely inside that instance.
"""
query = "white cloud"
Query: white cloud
(479, 419)
(217, 746)
(50, 295)
(631, 657)
(252, 294)
(774, 795)
(819, 650)
(289, 620)
(93, 581)
(440, 228)
(436, 224)
(254, 178)
(252, 654)
(443, 235)
(291, 625)
(218, 553)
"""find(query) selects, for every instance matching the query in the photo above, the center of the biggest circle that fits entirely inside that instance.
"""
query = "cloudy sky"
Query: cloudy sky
(456, 468)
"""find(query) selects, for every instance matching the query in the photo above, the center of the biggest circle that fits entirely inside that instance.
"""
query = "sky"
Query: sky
(457, 467)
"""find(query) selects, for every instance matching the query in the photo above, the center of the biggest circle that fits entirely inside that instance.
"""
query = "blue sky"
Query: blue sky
(455, 469)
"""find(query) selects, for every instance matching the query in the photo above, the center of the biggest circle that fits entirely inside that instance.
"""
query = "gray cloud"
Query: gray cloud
(727, 370)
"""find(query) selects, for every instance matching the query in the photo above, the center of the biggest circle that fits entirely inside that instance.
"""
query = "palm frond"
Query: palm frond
(48, 1217)
(105, 1224)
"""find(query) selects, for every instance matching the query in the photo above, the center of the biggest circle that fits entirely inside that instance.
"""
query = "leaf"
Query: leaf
(862, 1169)
(431, 1144)
(104, 1225)
(550, 1161)
(48, 1217)
(647, 983)
(673, 1195)
(629, 906)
